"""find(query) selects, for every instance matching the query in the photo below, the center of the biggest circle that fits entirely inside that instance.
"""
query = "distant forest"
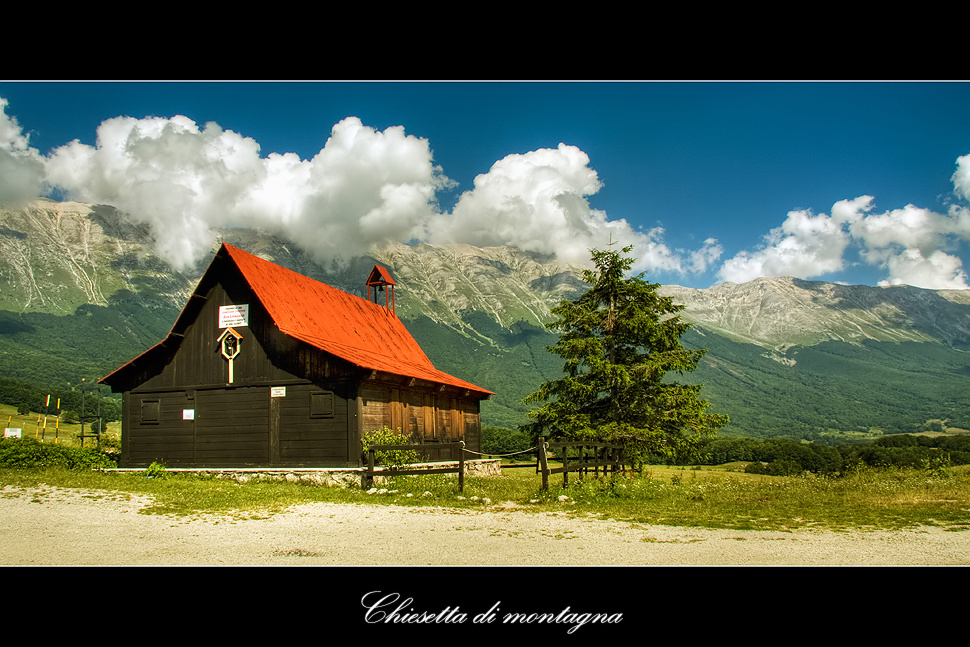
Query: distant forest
(786, 456)
(85, 401)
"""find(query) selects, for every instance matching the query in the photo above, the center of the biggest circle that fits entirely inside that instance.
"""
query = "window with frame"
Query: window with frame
(150, 412)
(321, 404)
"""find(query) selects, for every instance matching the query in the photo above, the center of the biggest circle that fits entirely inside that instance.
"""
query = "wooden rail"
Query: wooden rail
(457, 448)
(590, 455)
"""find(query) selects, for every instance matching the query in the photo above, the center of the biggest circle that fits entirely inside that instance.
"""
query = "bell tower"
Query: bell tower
(380, 279)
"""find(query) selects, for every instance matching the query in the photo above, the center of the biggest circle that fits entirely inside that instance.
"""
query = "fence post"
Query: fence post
(543, 465)
(565, 467)
(370, 467)
(461, 465)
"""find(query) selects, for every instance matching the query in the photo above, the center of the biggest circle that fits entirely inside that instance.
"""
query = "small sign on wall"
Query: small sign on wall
(230, 316)
(277, 391)
(188, 414)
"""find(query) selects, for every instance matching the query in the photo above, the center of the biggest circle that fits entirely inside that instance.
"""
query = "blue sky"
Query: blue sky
(710, 181)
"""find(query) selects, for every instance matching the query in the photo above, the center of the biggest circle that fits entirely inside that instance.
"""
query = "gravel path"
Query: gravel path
(53, 526)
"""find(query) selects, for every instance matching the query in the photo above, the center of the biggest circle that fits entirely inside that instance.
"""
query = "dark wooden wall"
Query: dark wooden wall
(242, 426)
(266, 355)
(328, 407)
(315, 427)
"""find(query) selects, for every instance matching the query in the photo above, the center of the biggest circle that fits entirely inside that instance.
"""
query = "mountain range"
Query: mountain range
(81, 292)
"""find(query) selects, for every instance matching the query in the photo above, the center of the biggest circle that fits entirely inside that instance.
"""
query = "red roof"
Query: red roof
(365, 334)
(380, 275)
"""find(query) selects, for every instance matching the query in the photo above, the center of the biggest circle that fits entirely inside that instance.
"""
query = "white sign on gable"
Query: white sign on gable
(233, 316)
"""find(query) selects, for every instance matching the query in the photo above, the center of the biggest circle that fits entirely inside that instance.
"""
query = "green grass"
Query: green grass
(51, 430)
(712, 497)
(869, 499)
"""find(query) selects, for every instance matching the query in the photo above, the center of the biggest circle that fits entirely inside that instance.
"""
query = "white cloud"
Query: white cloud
(179, 179)
(804, 246)
(537, 201)
(913, 245)
(939, 271)
(362, 187)
(961, 177)
(21, 167)
(909, 227)
(701, 259)
(365, 186)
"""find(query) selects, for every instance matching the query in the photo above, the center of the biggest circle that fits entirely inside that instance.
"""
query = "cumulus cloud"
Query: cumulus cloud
(913, 245)
(938, 271)
(21, 167)
(700, 260)
(805, 245)
(184, 181)
(961, 177)
(365, 186)
(537, 201)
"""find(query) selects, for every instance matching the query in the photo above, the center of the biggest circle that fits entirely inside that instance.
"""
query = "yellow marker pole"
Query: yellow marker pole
(47, 407)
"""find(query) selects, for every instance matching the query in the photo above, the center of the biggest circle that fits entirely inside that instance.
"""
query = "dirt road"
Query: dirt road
(52, 526)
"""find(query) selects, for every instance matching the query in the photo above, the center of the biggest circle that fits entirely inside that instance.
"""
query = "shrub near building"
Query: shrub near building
(26, 452)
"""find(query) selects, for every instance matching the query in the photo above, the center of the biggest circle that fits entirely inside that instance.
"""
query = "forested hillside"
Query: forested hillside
(834, 389)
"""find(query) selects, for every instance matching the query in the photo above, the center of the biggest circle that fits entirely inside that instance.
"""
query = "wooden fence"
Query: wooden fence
(457, 450)
(579, 456)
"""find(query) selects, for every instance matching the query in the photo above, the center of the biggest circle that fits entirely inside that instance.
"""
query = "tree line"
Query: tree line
(80, 402)
(787, 457)
(782, 456)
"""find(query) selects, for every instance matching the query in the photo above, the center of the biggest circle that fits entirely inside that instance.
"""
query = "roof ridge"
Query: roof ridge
(346, 325)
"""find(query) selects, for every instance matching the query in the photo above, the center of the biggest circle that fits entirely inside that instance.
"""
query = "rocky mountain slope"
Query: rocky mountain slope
(782, 312)
(80, 289)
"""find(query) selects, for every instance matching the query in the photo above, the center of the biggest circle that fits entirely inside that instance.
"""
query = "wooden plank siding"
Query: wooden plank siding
(239, 424)
(165, 438)
(239, 427)
(314, 437)
(231, 426)
(198, 362)
(426, 414)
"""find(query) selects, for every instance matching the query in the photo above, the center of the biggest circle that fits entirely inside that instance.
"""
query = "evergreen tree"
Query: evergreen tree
(619, 341)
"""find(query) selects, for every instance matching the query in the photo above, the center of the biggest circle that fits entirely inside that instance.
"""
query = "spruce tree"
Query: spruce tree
(619, 340)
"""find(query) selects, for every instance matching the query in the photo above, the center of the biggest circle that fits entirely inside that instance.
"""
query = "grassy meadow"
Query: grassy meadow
(48, 428)
(719, 496)
(712, 497)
